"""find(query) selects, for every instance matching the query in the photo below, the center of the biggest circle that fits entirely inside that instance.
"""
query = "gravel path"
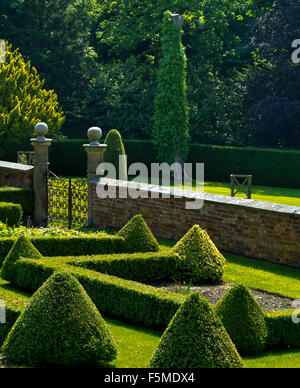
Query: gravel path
(215, 292)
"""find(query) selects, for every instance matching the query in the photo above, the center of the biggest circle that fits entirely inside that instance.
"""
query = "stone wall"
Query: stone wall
(246, 227)
(16, 175)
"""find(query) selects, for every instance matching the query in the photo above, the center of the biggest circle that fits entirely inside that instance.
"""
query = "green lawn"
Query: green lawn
(259, 193)
(280, 359)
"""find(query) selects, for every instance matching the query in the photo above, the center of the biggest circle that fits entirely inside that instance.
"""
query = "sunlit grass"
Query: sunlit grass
(280, 359)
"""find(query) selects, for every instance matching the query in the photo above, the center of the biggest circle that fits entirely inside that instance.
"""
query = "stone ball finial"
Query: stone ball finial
(41, 130)
(94, 135)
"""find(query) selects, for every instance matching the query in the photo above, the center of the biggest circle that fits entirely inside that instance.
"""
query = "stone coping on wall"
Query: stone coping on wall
(9, 166)
(193, 195)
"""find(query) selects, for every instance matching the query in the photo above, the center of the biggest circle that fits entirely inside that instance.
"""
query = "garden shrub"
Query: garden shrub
(115, 149)
(200, 260)
(10, 213)
(116, 297)
(141, 267)
(60, 326)
(283, 333)
(69, 245)
(22, 196)
(244, 320)
(195, 338)
(22, 247)
(138, 236)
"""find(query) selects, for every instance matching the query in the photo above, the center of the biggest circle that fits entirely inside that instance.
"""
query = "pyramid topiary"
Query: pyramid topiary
(195, 338)
(243, 319)
(115, 149)
(200, 260)
(22, 247)
(138, 236)
(61, 326)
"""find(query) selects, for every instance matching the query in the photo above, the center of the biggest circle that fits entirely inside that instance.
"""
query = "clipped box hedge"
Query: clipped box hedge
(140, 267)
(10, 213)
(68, 246)
(21, 196)
(123, 299)
(283, 333)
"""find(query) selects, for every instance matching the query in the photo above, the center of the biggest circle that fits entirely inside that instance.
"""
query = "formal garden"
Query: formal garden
(143, 282)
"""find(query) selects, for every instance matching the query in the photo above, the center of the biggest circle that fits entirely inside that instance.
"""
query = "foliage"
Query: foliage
(243, 319)
(60, 244)
(138, 236)
(60, 326)
(10, 213)
(273, 80)
(21, 196)
(121, 96)
(21, 248)
(55, 35)
(124, 299)
(283, 333)
(170, 131)
(200, 260)
(195, 338)
(24, 101)
(115, 150)
(141, 267)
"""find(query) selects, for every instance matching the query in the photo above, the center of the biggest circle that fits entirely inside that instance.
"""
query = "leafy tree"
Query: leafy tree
(170, 133)
(24, 101)
(55, 36)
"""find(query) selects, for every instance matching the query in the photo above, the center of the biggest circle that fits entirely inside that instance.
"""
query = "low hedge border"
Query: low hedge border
(21, 196)
(68, 246)
(140, 267)
(283, 333)
(10, 213)
(15, 303)
(119, 298)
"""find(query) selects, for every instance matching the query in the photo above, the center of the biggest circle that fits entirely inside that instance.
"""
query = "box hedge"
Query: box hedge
(138, 236)
(283, 333)
(195, 338)
(21, 196)
(115, 297)
(10, 213)
(68, 246)
(60, 326)
(220, 161)
(140, 267)
(200, 260)
(244, 320)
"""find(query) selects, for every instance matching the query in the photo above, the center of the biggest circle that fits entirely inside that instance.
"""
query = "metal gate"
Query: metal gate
(67, 201)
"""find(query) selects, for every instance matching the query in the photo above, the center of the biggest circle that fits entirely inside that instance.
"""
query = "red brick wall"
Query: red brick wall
(245, 227)
(16, 175)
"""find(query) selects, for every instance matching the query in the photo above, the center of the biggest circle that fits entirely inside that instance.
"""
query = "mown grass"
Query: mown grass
(253, 273)
(281, 359)
(259, 193)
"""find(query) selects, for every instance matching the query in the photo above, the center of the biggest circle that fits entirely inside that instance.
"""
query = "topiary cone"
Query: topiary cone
(195, 338)
(243, 319)
(138, 236)
(61, 326)
(200, 260)
(22, 247)
(115, 149)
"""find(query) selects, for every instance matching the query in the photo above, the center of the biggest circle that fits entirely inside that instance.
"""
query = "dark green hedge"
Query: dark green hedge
(21, 196)
(283, 333)
(68, 246)
(115, 297)
(10, 213)
(269, 167)
(141, 267)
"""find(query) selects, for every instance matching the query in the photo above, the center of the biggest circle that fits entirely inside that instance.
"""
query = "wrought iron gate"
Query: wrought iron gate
(67, 201)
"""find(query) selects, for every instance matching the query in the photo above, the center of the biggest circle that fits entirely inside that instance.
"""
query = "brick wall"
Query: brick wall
(246, 227)
(16, 175)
